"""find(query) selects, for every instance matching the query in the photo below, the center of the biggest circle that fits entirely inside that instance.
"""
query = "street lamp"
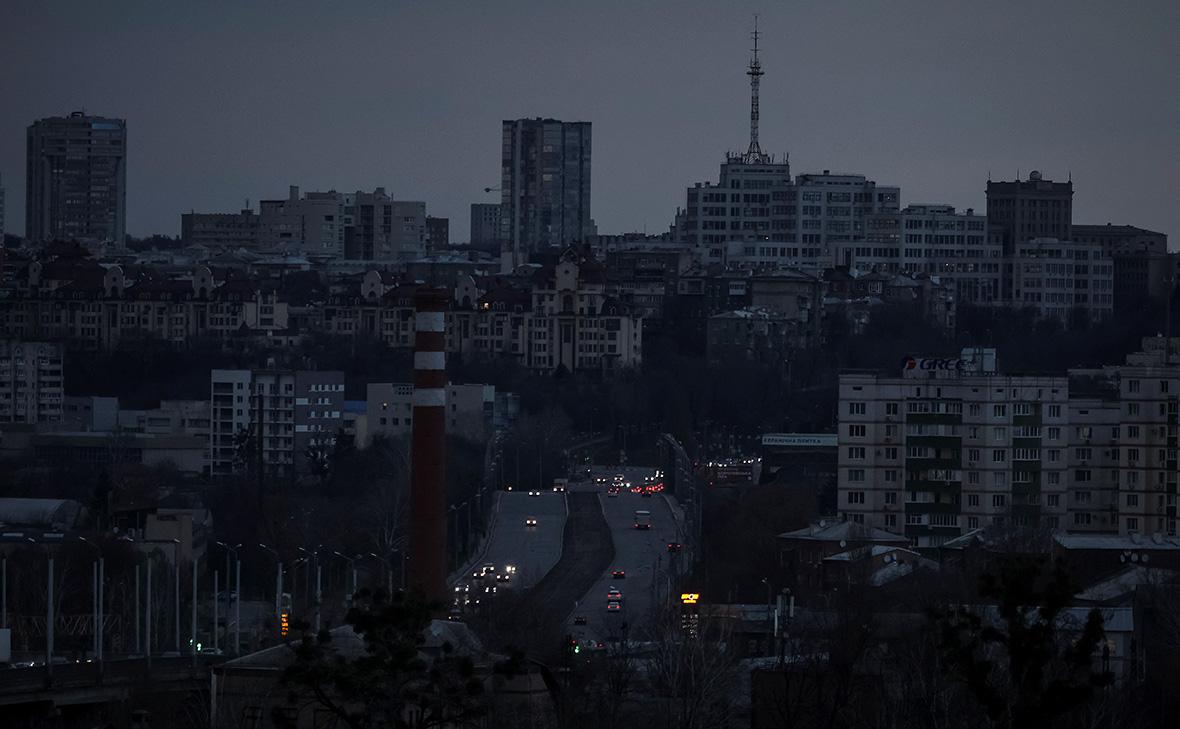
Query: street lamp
(315, 555)
(48, 610)
(237, 593)
(98, 578)
(278, 589)
(352, 570)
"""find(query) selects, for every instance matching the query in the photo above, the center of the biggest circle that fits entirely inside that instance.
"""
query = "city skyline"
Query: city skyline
(981, 91)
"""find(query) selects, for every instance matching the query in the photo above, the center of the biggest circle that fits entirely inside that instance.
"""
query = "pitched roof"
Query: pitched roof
(848, 531)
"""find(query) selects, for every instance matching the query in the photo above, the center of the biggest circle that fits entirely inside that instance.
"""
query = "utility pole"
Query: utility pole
(147, 613)
(49, 625)
(237, 608)
(216, 580)
(194, 617)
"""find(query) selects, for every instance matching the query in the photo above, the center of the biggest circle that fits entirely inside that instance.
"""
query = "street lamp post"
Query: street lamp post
(352, 571)
(278, 589)
(237, 593)
(319, 594)
(176, 588)
(98, 577)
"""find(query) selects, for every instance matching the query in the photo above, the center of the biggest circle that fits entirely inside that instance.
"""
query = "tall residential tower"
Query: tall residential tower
(544, 189)
(76, 182)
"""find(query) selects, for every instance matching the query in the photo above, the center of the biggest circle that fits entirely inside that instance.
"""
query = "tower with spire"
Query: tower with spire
(754, 153)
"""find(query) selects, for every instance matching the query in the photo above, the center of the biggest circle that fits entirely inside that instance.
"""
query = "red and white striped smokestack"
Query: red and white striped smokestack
(428, 496)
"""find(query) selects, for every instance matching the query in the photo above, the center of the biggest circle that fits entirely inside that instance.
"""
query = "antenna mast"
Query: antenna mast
(754, 154)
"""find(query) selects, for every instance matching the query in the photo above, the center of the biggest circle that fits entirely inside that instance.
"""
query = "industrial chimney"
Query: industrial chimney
(428, 496)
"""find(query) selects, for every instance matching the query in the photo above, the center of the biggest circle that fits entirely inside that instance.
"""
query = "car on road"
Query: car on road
(642, 519)
(614, 606)
(614, 594)
(530, 521)
(646, 493)
(675, 546)
(534, 492)
(579, 620)
(618, 574)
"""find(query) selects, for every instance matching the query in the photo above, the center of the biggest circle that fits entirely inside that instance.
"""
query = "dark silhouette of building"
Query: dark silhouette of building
(1025, 209)
(76, 185)
(545, 187)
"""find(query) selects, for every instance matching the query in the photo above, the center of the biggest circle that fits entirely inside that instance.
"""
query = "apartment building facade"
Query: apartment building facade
(544, 187)
(757, 214)
(76, 179)
(931, 452)
(947, 446)
(274, 420)
(32, 381)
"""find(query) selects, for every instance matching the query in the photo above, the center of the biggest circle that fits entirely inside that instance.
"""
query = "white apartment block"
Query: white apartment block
(32, 382)
(933, 453)
(470, 409)
(1059, 278)
(935, 240)
(285, 413)
(757, 214)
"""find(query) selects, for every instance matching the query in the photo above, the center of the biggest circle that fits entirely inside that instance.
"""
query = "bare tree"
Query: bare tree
(693, 675)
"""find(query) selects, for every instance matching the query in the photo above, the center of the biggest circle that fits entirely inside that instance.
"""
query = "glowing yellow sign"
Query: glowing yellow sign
(689, 598)
(284, 623)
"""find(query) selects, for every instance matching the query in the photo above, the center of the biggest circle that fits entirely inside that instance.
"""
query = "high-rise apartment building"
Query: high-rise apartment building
(946, 446)
(369, 226)
(950, 445)
(76, 179)
(438, 233)
(545, 187)
(485, 226)
(312, 224)
(935, 240)
(1144, 271)
(32, 383)
(1025, 209)
(2, 228)
(272, 419)
(1061, 279)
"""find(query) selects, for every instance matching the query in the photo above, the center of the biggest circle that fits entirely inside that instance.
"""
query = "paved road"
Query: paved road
(587, 551)
(532, 550)
(643, 555)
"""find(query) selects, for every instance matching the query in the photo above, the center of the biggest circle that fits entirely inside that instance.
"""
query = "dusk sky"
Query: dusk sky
(226, 101)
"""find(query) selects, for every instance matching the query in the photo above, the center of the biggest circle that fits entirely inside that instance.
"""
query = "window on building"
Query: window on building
(856, 431)
(856, 453)
(999, 500)
(891, 408)
(856, 474)
(890, 497)
(999, 411)
(856, 497)
(856, 408)
(972, 499)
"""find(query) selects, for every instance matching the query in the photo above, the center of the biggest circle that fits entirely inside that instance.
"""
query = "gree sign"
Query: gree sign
(910, 365)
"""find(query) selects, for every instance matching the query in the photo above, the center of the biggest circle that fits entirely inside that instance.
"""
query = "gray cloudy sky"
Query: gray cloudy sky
(228, 100)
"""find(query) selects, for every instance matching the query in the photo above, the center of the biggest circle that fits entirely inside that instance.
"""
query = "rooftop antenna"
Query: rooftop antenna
(754, 154)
